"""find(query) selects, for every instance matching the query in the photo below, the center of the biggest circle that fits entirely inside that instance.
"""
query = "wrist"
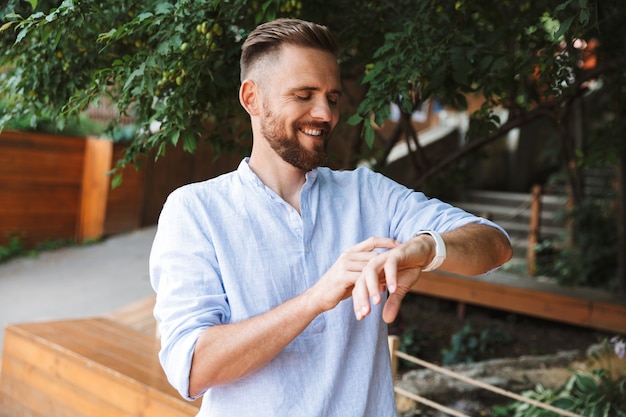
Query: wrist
(440, 250)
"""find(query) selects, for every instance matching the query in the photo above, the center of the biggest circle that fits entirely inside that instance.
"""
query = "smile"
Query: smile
(313, 132)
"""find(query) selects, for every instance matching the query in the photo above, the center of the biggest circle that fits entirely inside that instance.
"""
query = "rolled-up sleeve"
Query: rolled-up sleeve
(185, 276)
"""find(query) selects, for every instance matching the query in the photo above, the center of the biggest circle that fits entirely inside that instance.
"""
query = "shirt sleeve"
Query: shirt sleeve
(412, 211)
(185, 275)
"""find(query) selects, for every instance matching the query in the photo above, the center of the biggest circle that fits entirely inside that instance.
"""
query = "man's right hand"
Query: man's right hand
(337, 283)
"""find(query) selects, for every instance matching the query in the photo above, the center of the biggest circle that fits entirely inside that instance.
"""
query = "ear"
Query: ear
(249, 97)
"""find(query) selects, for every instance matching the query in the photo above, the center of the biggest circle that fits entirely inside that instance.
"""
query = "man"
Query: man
(272, 280)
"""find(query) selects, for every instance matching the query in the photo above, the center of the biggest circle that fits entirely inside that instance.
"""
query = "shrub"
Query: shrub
(468, 345)
(596, 393)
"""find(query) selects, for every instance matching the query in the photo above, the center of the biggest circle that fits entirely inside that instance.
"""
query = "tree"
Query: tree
(175, 64)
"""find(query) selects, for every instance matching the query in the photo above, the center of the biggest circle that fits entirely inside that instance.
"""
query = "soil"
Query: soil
(426, 326)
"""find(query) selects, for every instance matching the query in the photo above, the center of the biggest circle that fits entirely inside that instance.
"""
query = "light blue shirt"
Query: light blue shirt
(229, 248)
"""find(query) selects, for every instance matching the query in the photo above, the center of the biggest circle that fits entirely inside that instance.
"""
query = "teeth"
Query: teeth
(312, 132)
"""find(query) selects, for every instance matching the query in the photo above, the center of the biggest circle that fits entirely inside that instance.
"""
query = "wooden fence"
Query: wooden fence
(52, 188)
(55, 187)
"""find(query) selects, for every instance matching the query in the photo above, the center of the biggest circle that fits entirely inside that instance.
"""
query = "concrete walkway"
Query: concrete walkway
(76, 282)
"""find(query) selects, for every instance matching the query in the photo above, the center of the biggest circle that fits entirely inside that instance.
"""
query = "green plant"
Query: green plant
(411, 343)
(176, 63)
(13, 249)
(173, 65)
(598, 393)
(592, 261)
(468, 345)
(54, 244)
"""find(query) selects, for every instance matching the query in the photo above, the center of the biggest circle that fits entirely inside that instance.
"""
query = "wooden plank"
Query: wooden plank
(29, 198)
(125, 202)
(113, 347)
(533, 233)
(94, 189)
(137, 315)
(587, 308)
(39, 156)
(40, 177)
(34, 229)
(89, 367)
(29, 388)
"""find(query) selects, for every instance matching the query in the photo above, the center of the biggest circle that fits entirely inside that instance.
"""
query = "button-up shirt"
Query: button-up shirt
(230, 248)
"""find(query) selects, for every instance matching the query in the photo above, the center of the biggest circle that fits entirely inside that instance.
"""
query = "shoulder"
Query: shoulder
(202, 192)
(360, 174)
(362, 178)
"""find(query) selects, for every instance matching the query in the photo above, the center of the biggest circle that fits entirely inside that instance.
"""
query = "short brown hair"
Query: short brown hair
(267, 39)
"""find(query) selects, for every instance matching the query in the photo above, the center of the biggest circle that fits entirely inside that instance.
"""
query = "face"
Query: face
(300, 105)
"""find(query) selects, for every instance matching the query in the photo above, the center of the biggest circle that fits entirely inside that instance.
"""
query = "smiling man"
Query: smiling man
(275, 282)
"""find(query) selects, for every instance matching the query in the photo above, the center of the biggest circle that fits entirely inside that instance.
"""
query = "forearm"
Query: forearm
(475, 249)
(225, 353)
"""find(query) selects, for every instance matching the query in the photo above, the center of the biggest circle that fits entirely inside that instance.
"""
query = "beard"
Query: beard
(287, 146)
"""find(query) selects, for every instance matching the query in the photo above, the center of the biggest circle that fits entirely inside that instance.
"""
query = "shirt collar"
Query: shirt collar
(246, 173)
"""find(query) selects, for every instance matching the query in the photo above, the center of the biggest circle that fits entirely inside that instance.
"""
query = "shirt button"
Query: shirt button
(307, 249)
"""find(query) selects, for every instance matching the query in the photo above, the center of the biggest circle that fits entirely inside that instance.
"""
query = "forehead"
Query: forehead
(305, 67)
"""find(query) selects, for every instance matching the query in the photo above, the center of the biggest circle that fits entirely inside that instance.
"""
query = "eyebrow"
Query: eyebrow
(305, 88)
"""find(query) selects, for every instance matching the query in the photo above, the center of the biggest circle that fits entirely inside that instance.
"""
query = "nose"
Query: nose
(322, 110)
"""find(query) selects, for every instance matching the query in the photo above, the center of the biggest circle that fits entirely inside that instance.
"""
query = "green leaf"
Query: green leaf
(369, 136)
(566, 403)
(355, 119)
(116, 181)
(144, 16)
(584, 16)
(33, 3)
(562, 6)
(7, 25)
(164, 8)
(189, 144)
(564, 27)
(21, 35)
(175, 137)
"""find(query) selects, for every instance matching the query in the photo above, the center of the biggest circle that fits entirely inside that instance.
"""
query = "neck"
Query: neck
(281, 177)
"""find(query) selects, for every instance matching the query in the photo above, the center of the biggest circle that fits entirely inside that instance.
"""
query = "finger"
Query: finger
(392, 307)
(372, 243)
(373, 279)
(391, 274)
(360, 300)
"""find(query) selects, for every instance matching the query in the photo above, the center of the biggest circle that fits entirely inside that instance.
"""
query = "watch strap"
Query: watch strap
(440, 250)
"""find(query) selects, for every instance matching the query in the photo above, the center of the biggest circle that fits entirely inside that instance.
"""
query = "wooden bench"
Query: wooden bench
(509, 292)
(84, 368)
(137, 315)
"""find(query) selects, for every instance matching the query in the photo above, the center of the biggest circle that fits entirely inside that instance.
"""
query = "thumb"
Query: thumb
(392, 306)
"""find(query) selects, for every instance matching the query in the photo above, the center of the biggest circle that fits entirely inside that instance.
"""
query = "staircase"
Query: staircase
(528, 218)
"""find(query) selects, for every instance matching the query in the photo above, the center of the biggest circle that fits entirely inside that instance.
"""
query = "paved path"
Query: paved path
(76, 282)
